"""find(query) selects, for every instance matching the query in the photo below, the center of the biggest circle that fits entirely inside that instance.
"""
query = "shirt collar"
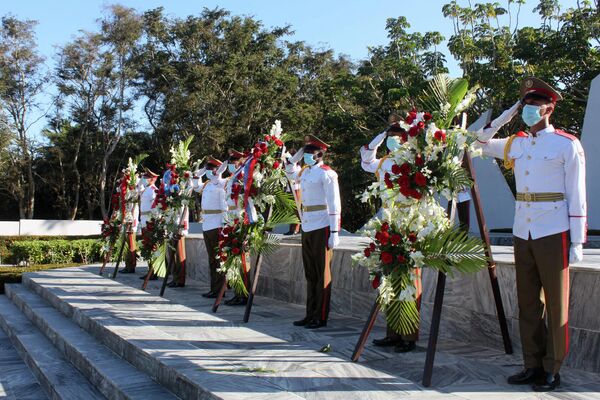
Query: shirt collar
(542, 132)
(317, 164)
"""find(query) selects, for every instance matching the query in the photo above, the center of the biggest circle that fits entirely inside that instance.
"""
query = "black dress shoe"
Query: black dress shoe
(127, 271)
(176, 284)
(525, 377)
(152, 278)
(405, 347)
(237, 301)
(302, 322)
(386, 342)
(210, 295)
(548, 384)
(316, 324)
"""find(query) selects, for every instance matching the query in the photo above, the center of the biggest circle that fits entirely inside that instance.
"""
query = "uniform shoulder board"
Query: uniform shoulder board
(326, 167)
(562, 133)
(521, 134)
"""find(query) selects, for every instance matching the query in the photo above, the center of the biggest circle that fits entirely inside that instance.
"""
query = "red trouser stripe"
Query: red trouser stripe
(565, 245)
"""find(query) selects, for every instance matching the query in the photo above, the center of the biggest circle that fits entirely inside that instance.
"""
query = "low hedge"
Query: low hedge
(6, 243)
(55, 251)
(15, 274)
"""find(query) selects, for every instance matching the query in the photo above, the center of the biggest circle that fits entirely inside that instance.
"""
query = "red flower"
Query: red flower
(257, 153)
(405, 169)
(383, 238)
(396, 169)
(427, 116)
(385, 227)
(415, 194)
(401, 259)
(420, 179)
(440, 136)
(413, 131)
(278, 142)
(267, 138)
(372, 246)
(411, 117)
(263, 147)
(421, 125)
(388, 182)
(186, 174)
(367, 252)
(223, 257)
(276, 164)
(376, 281)
(235, 250)
(404, 137)
(395, 239)
(419, 160)
(412, 237)
(404, 182)
(387, 258)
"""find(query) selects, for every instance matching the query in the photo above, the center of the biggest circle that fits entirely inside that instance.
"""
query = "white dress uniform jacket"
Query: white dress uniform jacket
(147, 197)
(213, 199)
(550, 162)
(318, 187)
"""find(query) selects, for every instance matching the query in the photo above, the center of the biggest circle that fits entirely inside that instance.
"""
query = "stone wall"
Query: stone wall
(469, 312)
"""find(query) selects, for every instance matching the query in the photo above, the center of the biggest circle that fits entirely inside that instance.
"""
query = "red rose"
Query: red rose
(385, 227)
(427, 116)
(372, 246)
(388, 183)
(395, 239)
(223, 257)
(367, 252)
(420, 125)
(376, 281)
(414, 194)
(278, 142)
(401, 259)
(420, 179)
(235, 250)
(396, 169)
(413, 131)
(412, 237)
(276, 164)
(263, 147)
(404, 182)
(257, 153)
(404, 137)
(387, 258)
(267, 138)
(440, 136)
(411, 117)
(405, 169)
(419, 160)
(384, 238)
(186, 174)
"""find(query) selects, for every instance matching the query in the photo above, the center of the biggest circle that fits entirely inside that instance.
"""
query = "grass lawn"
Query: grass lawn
(14, 274)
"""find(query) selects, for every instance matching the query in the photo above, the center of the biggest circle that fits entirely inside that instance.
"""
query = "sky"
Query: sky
(347, 26)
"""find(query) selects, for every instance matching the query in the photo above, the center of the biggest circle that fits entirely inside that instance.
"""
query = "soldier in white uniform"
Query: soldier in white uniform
(321, 219)
(147, 190)
(214, 207)
(549, 228)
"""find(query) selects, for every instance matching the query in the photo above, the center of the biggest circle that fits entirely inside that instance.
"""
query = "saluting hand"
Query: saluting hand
(576, 253)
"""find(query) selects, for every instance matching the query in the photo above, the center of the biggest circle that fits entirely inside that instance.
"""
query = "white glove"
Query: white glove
(334, 240)
(221, 169)
(576, 253)
(485, 134)
(377, 141)
(295, 159)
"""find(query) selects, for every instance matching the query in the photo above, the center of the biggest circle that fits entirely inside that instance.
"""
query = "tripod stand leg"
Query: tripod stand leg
(434, 329)
(220, 296)
(119, 258)
(253, 290)
(362, 340)
(168, 272)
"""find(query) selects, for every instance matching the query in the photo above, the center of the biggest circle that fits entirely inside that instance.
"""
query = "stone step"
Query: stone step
(111, 375)
(16, 380)
(132, 323)
(57, 377)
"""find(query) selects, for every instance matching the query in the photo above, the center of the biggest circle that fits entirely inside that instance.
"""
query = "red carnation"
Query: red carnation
(419, 160)
(395, 239)
(278, 142)
(440, 136)
(387, 258)
(235, 250)
(420, 179)
(427, 116)
(413, 131)
(376, 281)
(276, 164)
(367, 252)
(405, 169)
(396, 169)
(412, 237)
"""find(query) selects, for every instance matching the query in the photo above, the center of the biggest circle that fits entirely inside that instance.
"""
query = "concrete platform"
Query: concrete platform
(182, 345)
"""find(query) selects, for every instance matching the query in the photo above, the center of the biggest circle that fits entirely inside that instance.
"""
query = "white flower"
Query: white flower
(417, 257)
(408, 294)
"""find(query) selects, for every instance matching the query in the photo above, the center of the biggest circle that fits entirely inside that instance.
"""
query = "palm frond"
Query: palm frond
(159, 261)
(454, 250)
(402, 316)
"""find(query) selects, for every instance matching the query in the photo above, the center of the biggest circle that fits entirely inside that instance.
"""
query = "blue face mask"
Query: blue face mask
(309, 160)
(143, 182)
(393, 143)
(231, 168)
(531, 114)
(210, 174)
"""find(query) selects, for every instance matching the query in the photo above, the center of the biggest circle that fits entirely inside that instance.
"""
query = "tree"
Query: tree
(22, 79)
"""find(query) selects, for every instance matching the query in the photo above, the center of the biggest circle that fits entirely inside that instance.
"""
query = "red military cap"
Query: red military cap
(210, 160)
(149, 174)
(312, 140)
(236, 155)
(535, 85)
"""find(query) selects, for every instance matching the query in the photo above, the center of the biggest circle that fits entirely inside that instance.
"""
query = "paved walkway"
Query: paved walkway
(288, 357)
